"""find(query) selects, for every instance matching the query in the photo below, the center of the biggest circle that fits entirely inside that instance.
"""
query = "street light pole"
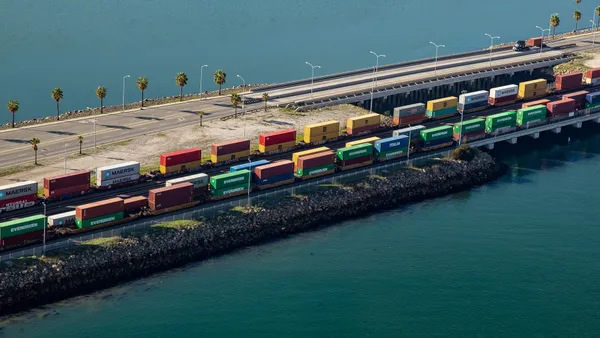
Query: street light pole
(201, 79)
(45, 225)
(94, 120)
(312, 78)
(249, 176)
(543, 30)
(436, 55)
(492, 45)
(461, 128)
(374, 76)
(408, 153)
(594, 31)
(243, 96)
(123, 103)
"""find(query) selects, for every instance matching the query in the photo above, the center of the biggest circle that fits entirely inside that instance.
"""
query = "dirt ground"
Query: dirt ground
(594, 60)
(146, 149)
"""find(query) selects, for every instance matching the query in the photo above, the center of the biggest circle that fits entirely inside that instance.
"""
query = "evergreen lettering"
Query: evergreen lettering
(104, 220)
(24, 227)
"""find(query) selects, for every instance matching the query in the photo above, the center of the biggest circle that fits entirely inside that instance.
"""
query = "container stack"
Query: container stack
(414, 133)
(181, 160)
(578, 97)
(199, 181)
(436, 137)
(277, 141)
(321, 131)
(535, 103)
(531, 115)
(474, 101)
(297, 155)
(97, 213)
(248, 166)
(569, 81)
(471, 130)
(441, 107)
(391, 148)
(67, 185)
(592, 77)
(561, 108)
(227, 151)
(18, 195)
(134, 204)
(117, 173)
(22, 231)
(532, 89)
(230, 184)
(370, 140)
(363, 123)
(412, 113)
(534, 42)
(315, 165)
(501, 96)
(62, 220)
(592, 100)
(170, 197)
(355, 156)
(274, 174)
(501, 123)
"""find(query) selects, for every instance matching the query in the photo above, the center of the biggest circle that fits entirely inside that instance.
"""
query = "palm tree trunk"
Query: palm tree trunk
(142, 99)
(235, 112)
(265, 105)
(200, 121)
(57, 111)
(100, 106)
(13, 120)
(180, 93)
(220, 90)
(576, 26)
(35, 157)
(80, 144)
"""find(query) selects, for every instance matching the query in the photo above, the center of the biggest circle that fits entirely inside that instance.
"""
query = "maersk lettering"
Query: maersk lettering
(24, 227)
(104, 220)
(120, 171)
(18, 191)
(233, 180)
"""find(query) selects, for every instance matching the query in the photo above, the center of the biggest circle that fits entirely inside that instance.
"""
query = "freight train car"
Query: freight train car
(472, 102)
(504, 95)
(531, 116)
(391, 148)
(274, 174)
(319, 132)
(277, 141)
(410, 114)
(18, 195)
(469, 130)
(441, 108)
(362, 124)
(22, 231)
(436, 138)
(356, 156)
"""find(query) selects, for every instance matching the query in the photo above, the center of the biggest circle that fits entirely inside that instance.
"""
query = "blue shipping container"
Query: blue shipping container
(438, 142)
(593, 98)
(474, 105)
(391, 143)
(248, 166)
(274, 179)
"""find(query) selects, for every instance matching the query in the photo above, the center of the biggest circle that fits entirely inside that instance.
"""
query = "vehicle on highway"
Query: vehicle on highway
(520, 46)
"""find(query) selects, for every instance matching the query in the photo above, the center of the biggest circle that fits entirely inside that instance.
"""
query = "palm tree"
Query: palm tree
(577, 1)
(80, 138)
(101, 93)
(554, 22)
(220, 78)
(201, 115)
(142, 83)
(265, 98)
(181, 80)
(57, 95)
(597, 10)
(13, 107)
(577, 16)
(34, 144)
(235, 101)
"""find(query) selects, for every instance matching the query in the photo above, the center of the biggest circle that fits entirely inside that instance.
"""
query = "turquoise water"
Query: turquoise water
(515, 258)
(79, 45)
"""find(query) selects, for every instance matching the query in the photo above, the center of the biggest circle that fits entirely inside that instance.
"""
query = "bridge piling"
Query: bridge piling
(557, 130)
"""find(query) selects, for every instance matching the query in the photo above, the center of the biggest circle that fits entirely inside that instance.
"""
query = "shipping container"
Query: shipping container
(180, 167)
(167, 197)
(579, 98)
(97, 209)
(413, 132)
(592, 99)
(441, 112)
(363, 123)
(364, 129)
(249, 166)
(229, 179)
(359, 160)
(315, 171)
(316, 129)
(62, 219)
(443, 103)
(473, 101)
(503, 101)
(134, 204)
(569, 81)
(438, 143)
(531, 115)
(499, 121)
(231, 147)
(409, 110)
(320, 137)
(562, 107)
(277, 137)
(365, 140)
(413, 119)
(316, 160)
(297, 155)
(76, 178)
(67, 192)
(230, 191)
(392, 154)
(20, 240)
(534, 42)
(433, 134)
(350, 153)
(532, 89)
(504, 91)
(469, 126)
(230, 157)
(112, 172)
(124, 179)
(100, 220)
(592, 76)
(277, 147)
(274, 169)
(22, 226)
(271, 181)
(14, 190)
(470, 136)
(180, 157)
(18, 203)
(391, 143)
(200, 181)
(535, 103)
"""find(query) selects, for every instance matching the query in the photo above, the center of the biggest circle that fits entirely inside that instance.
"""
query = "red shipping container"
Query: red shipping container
(569, 81)
(469, 135)
(502, 100)
(167, 197)
(231, 147)
(277, 137)
(274, 169)
(316, 160)
(535, 103)
(18, 200)
(362, 129)
(76, 190)
(409, 119)
(67, 180)
(180, 157)
(534, 42)
(579, 98)
(357, 160)
(592, 73)
(561, 107)
(100, 208)
(135, 204)
(24, 239)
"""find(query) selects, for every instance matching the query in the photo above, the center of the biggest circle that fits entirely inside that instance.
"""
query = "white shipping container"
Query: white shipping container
(198, 180)
(503, 91)
(66, 218)
(124, 179)
(413, 131)
(593, 82)
(117, 170)
(18, 189)
(478, 96)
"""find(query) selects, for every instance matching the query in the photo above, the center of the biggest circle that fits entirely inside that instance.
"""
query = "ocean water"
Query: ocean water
(78, 45)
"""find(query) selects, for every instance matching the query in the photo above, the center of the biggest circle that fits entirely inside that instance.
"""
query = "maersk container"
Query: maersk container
(499, 92)
(314, 170)
(229, 190)
(62, 219)
(124, 179)
(222, 181)
(433, 134)
(409, 110)
(22, 226)
(391, 143)
(470, 101)
(248, 166)
(350, 153)
(501, 120)
(112, 172)
(531, 114)
(198, 180)
(592, 99)
(19, 189)
(441, 112)
(91, 222)
(469, 126)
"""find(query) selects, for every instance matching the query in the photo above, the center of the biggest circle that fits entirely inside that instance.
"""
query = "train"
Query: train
(259, 173)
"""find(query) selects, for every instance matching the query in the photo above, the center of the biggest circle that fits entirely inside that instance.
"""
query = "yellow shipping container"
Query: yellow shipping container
(363, 120)
(179, 167)
(532, 89)
(275, 147)
(321, 137)
(240, 154)
(321, 128)
(443, 103)
(366, 140)
(296, 156)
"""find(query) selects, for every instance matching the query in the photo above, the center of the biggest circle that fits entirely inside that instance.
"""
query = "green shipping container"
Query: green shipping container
(531, 114)
(233, 179)
(392, 153)
(589, 105)
(90, 222)
(433, 134)
(470, 126)
(441, 112)
(307, 172)
(359, 150)
(502, 120)
(229, 190)
(22, 226)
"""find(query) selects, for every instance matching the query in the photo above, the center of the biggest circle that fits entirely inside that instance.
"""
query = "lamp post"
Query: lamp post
(94, 121)
(436, 55)
(543, 30)
(377, 56)
(312, 78)
(408, 153)
(491, 45)
(123, 103)
(243, 96)
(461, 128)
(594, 30)
(45, 224)
(249, 176)
(201, 79)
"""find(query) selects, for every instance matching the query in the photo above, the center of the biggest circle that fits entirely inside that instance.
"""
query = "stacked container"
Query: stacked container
(321, 131)
(22, 231)
(471, 130)
(97, 213)
(501, 96)
(117, 173)
(412, 113)
(531, 115)
(200, 182)
(534, 42)
(230, 184)
(560, 108)
(355, 156)
(62, 220)
(592, 100)
(502, 122)
(413, 132)
(67, 185)
(18, 195)
(315, 165)
(274, 174)
(297, 155)
(442, 107)
(436, 137)
(391, 148)
(592, 76)
(535, 103)
(277, 141)
(371, 140)
(170, 197)
(134, 204)
(578, 97)
(532, 89)
(363, 123)
(228, 151)
(248, 166)
(569, 81)
(187, 159)
(475, 101)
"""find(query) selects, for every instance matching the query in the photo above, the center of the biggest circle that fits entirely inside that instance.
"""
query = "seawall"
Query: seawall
(28, 283)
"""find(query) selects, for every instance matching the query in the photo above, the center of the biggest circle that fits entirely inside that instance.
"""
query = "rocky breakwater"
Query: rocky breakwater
(36, 281)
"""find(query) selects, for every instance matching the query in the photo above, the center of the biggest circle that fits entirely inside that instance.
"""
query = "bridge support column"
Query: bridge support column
(535, 135)
(578, 125)
(597, 120)
(490, 146)
(557, 130)
(512, 140)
